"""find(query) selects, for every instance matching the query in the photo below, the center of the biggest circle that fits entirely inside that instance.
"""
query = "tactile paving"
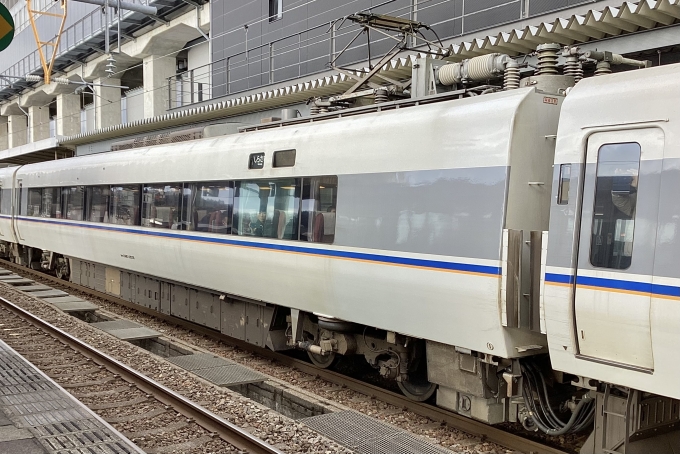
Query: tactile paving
(199, 361)
(60, 423)
(366, 435)
(231, 375)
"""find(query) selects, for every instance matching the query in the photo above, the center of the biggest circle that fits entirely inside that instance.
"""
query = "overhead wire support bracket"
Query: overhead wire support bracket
(47, 61)
(395, 28)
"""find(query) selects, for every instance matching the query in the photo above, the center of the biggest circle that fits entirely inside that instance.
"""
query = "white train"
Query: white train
(515, 254)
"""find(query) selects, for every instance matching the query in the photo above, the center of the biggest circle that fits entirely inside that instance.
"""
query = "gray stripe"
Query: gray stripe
(454, 212)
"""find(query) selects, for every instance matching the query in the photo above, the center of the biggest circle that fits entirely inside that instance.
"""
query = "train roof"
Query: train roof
(469, 132)
(626, 100)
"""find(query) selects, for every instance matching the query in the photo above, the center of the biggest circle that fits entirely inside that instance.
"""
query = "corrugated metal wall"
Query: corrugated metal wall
(301, 41)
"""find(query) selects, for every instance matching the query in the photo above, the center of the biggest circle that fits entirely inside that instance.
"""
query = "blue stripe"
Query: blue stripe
(559, 278)
(615, 284)
(227, 240)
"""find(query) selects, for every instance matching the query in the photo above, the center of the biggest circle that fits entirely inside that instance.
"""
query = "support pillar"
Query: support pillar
(17, 128)
(68, 114)
(39, 122)
(156, 73)
(4, 138)
(107, 103)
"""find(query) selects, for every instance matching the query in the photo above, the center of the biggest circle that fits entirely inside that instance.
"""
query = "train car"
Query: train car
(612, 277)
(412, 241)
(443, 238)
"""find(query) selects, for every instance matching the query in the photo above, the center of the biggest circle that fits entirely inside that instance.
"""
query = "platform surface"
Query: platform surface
(37, 416)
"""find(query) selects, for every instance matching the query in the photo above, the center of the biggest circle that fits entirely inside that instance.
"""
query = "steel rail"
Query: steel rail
(473, 427)
(227, 431)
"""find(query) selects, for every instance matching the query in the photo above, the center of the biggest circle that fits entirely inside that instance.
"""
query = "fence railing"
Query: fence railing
(89, 26)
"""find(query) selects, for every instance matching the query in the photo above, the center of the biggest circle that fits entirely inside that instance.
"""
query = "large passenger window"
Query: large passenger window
(51, 203)
(34, 199)
(6, 201)
(124, 205)
(207, 207)
(319, 198)
(615, 205)
(267, 208)
(98, 203)
(161, 205)
(73, 202)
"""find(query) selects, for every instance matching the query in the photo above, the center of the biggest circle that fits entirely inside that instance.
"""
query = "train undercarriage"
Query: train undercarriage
(473, 384)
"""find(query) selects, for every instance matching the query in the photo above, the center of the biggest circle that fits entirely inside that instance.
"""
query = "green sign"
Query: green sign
(6, 28)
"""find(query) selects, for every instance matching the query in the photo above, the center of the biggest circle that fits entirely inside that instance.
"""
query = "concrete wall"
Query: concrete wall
(135, 104)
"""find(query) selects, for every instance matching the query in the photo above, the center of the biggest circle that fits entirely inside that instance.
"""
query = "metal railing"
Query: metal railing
(84, 29)
(309, 51)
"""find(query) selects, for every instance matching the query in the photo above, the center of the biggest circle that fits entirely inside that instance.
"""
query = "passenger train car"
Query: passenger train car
(512, 256)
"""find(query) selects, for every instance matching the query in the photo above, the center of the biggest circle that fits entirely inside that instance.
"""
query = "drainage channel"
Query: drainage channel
(217, 370)
(360, 433)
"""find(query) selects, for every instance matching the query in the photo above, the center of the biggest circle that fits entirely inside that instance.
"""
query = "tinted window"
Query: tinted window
(73, 200)
(564, 182)
(615, 205)
(319, 197)
(51, 203)
(124, 205)
(267, 208)
(6, 201)
(208, 207)
(34, 198)
(161, 205)
(98, 203)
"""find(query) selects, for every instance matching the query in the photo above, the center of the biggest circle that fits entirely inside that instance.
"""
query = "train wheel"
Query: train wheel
(417, 387)
(62, 269)
(418, 391)
(323, 361)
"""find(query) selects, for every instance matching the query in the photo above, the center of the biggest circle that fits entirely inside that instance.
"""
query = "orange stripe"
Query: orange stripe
(613, 290)
(320, 255)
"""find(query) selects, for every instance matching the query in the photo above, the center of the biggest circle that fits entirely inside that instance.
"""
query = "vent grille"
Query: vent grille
(159, 139)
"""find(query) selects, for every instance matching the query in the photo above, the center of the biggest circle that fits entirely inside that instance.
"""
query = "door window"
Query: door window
(615, 205)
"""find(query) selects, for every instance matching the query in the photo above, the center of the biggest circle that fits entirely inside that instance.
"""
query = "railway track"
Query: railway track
(485, 432)
(209, 421)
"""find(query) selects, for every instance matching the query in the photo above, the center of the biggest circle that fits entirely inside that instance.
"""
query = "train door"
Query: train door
(619, 212)
(2, 202)
(18, 199)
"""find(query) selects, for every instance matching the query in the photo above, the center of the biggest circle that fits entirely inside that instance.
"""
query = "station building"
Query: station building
(181, 66)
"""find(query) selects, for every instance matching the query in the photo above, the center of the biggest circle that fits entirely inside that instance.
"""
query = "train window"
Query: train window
(267, 208)
(73, 202)
(161, 205)
(615, 205)
(51, 203)
(6, 207)
(319, 198)
(563, 188)
(124, 205)
(207, 207)
(284, 158)
(34, 199)
(98, 203)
